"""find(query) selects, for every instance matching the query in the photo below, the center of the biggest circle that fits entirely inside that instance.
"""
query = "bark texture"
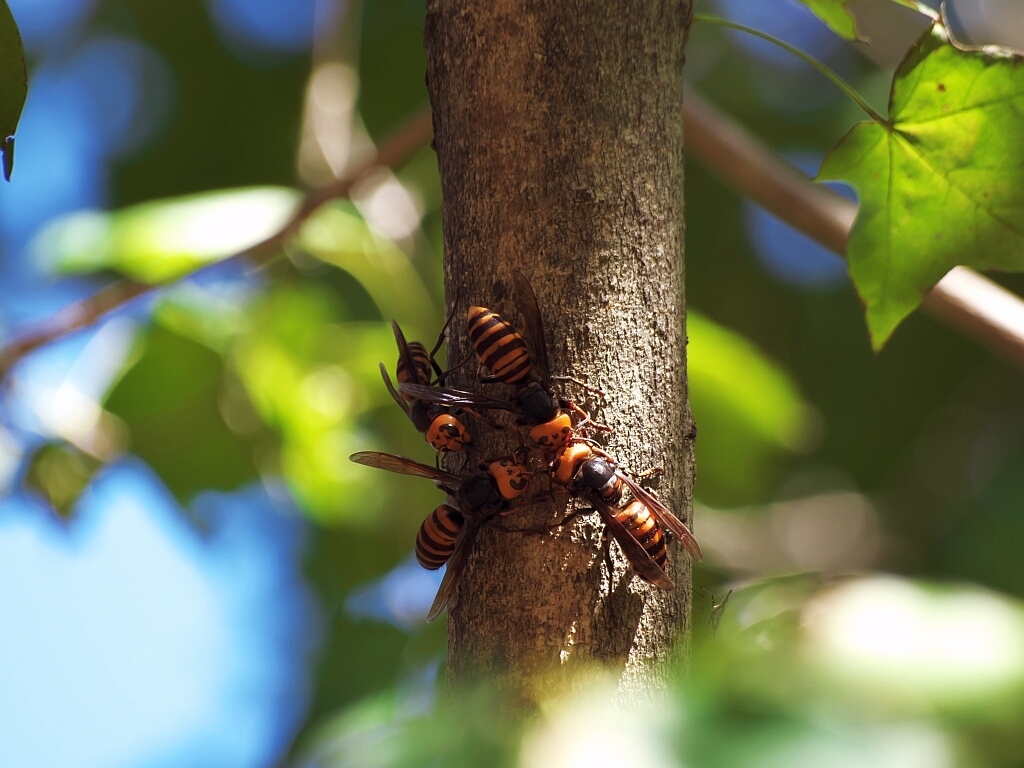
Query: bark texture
(560, 147)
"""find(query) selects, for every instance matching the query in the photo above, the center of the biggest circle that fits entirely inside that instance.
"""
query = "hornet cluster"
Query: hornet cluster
(558, 433)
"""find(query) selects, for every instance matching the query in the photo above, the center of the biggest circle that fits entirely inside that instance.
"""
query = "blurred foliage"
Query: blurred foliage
(181, 434)
(163, 240)
(748, 411)
(235, 118)
(877, 669)
(314, 380)
(13, 84)
(398, 729)
(392, 62)
(273, 374)
(60, 472)
(339, 236)
(359, 656)
(794, 672)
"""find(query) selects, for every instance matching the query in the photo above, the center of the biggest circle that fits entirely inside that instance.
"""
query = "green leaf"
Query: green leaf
(943, 184)
(59, 472)
(314, 379)
(162, 240)
(338, 235)
(172, 401)
(13, 84)
(747, 408)
(835, 14)
(838, 17)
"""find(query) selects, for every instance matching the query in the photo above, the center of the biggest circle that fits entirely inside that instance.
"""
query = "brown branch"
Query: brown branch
(965, 300)
(88, 311)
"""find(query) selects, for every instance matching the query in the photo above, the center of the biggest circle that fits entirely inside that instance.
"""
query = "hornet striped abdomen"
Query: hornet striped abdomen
(421, 365)
(448, 533)
(642, 526)
(500, 348)
(436, 540)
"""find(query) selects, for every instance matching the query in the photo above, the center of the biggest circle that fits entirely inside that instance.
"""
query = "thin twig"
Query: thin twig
(845, 87)
(86, 312)
(965, 300)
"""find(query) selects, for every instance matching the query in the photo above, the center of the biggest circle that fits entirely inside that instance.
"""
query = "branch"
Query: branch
(88, 311)
(965, 300)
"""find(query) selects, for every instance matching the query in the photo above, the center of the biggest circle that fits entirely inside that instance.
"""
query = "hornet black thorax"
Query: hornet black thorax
(421, 415)
(537, 403)
(599, 475)
(479, 491)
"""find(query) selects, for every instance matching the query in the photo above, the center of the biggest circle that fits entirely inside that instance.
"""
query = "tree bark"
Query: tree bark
(560, 147)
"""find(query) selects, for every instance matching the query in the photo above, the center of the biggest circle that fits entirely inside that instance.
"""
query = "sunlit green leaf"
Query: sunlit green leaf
(171, 400)
(314, 379)
(837, 15)
(944, 185)
(162, 240)
(747, 410)
(338, 235)
(13, 84)
(214, 317)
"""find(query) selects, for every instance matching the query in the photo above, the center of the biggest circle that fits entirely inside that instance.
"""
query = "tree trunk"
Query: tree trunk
(560, 147)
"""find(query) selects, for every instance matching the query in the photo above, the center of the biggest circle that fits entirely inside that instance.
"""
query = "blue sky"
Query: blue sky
(130, 638)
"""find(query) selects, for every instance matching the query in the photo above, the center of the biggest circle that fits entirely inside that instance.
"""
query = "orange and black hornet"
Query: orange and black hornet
(437, 423)
(448, 533)
(639, 526)
(518, 361)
